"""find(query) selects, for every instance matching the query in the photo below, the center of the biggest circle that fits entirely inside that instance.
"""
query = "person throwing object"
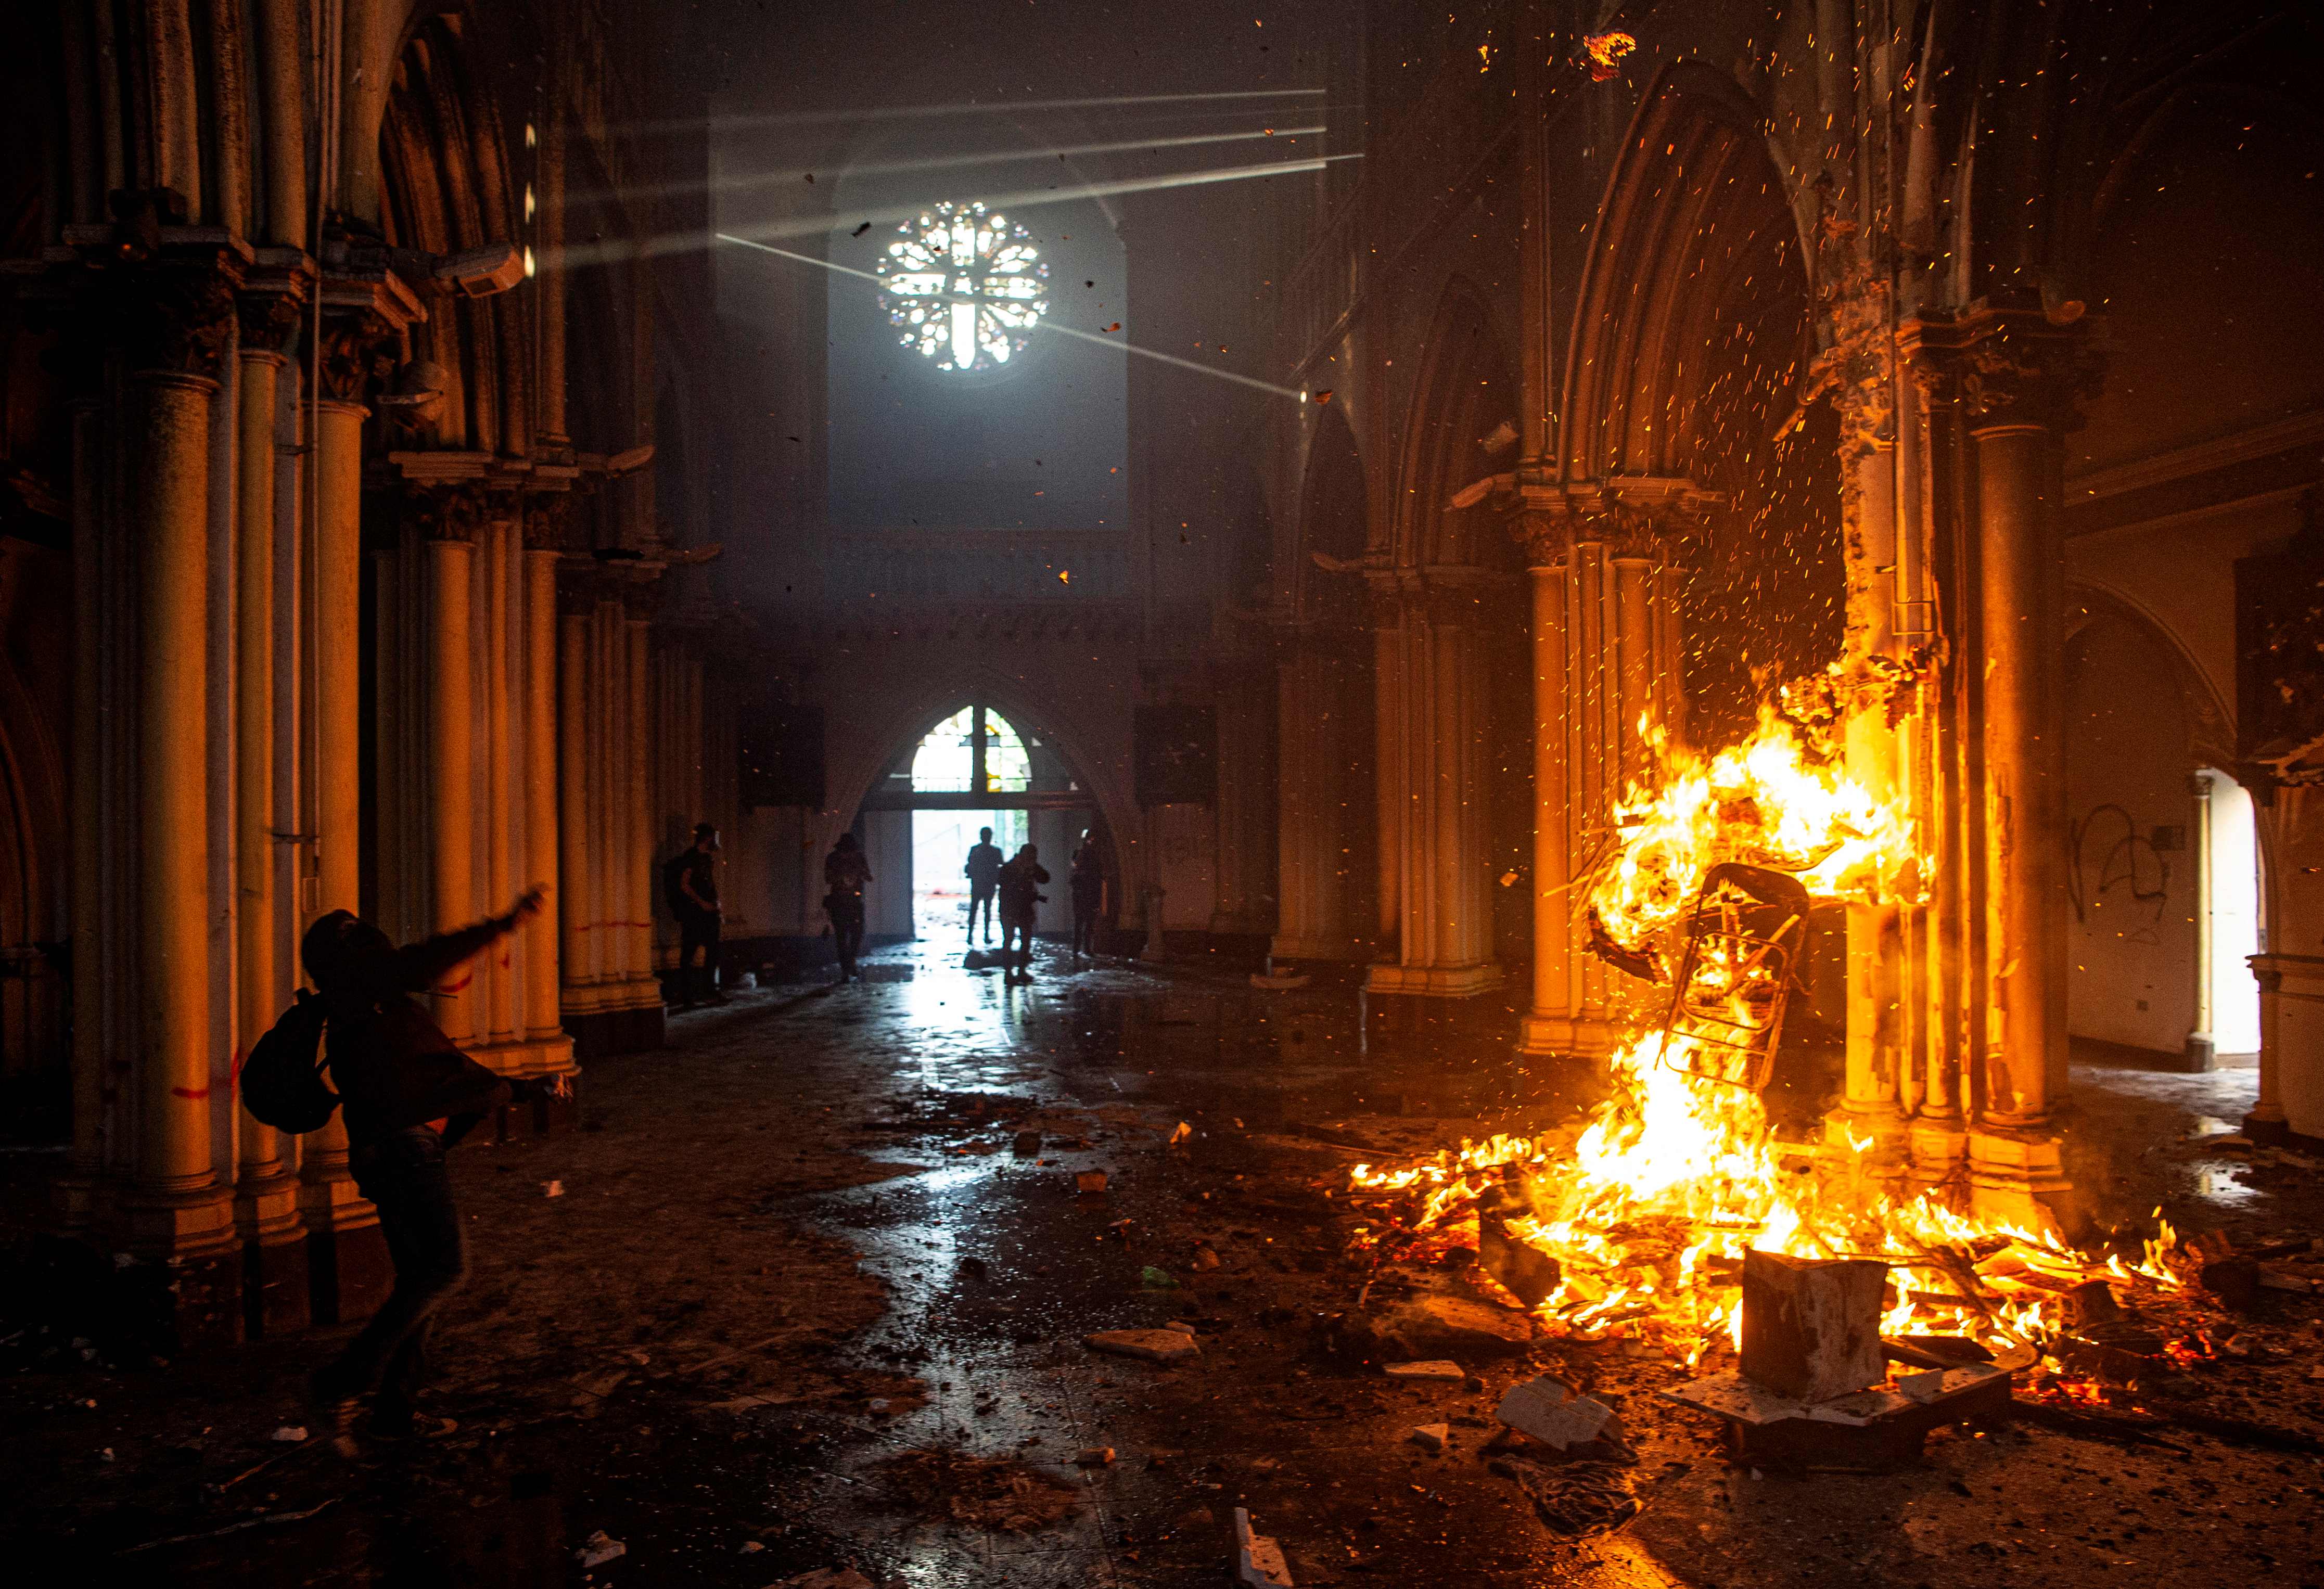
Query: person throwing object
(408, 1094)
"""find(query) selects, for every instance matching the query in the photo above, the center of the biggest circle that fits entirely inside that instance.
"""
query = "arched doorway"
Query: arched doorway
(972, 770)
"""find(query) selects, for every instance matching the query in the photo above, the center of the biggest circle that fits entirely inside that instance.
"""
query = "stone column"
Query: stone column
(645, 987)
(179, 1212)
(503, 764)
(91, 810)
(1604, 658)
(266, 1206)
(2267, 1122)
(1245, 897)
(450, 769)
(2017, 378)
(363, 324)
(543, 1023)
(575, 889)
(1320, 799)
(1440, 802)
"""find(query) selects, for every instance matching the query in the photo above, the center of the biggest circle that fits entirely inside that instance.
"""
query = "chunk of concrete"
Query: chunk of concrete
(1432, 1437)
(1154, 1345)
(1259, 1560)
(1548, 1410)
(1455, 1327)
(1090, 1180)
(1811, 1326)
(1527, 1272)
(1922, 1388)
(1431, 1369)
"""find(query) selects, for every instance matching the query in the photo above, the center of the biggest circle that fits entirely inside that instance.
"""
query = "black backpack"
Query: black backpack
(283, 1079)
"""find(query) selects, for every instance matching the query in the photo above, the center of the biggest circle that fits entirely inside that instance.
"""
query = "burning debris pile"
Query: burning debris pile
(1639, 1223)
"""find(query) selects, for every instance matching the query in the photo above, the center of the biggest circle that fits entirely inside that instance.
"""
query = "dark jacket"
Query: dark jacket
(984, 867)
(1088, 882)
(1021, 889)
(392, 1065)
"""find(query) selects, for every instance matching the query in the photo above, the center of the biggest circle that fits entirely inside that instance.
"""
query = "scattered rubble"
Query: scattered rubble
(1259, 1560)
(1432, 1437)
(1548, 1409)
(972, 1489)
(1154, 1345)
(598, 1549)
(1432, 1369)
(1090, 1180)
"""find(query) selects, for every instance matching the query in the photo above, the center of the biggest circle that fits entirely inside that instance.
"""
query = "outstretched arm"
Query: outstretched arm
(419, 965)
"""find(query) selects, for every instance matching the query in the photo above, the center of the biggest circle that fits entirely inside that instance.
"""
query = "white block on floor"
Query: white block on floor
(1259, 1560)
(1433, 1368)
(1548, 1410)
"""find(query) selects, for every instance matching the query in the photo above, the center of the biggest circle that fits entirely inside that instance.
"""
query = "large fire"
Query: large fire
(1650, 1204)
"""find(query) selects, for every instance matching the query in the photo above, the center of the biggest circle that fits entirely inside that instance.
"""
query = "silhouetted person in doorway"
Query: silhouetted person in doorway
(1020, 899)
(1088, 885)
(406, 1094)
(844, 873)
(983, 874)
(690, 883)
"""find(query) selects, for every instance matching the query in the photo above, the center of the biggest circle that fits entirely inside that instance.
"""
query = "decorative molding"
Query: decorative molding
(1632, 516)
(2004, 367)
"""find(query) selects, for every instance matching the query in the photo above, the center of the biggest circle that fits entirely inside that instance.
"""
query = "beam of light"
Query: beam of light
(934, 163)
(1044, 323)
(811, 226)
(799, 118)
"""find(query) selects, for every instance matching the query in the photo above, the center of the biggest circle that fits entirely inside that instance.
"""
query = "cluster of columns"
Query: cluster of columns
(1605, 669)
(1435, 790)
(1327, 796)
(1954, 681)
(465, 672)
(612, 998)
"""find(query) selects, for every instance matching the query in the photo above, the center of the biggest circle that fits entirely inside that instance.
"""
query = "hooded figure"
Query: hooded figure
(407, 1093)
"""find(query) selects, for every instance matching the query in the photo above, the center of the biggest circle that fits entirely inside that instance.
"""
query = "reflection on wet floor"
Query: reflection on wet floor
(951, 1111)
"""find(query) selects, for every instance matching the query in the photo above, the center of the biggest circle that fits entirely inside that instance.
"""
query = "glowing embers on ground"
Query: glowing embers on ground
(966, 285)
(1649, 1205)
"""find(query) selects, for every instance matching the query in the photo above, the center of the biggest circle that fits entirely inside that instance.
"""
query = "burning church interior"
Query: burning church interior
(1637, 684)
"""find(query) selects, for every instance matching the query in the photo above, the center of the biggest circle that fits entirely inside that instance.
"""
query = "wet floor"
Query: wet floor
(812, 1292)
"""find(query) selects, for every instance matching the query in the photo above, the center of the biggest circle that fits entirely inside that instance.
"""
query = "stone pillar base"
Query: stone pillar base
(2018, 1178)
(275, 1295)
(609, 1028)
(277, 1290)
(1434, 981)
(1939, 1148)
(1284, 947)
(1887, 1134)
(349, 1274)
(1564, 1037)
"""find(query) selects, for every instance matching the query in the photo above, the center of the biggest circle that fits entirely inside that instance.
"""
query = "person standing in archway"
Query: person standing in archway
(1088, 885)
(1020, 901)
(690, 887)
(844, 872)
(983, 874)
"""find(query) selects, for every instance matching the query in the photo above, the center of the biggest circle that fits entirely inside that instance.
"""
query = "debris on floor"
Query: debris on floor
(1427, 1369)
(1259, 1560)
(1154, 1345)
(1432, 1437)
(1548, 1410)
(976, 1490)
(598, 1549)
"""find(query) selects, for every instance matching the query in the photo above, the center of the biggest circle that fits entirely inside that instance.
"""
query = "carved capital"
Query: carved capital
(2005, 367)
(177, 312)
(452, 510)
(548, 522)
(1635, 516)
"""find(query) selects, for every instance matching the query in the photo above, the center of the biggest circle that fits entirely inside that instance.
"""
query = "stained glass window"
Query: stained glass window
(947, 761)
(967, 286)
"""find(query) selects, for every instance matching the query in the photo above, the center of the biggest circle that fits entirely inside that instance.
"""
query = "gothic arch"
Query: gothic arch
(1694, 211)
(2211, 714)
(859, 761)
(1464, 393)
(445, 187)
